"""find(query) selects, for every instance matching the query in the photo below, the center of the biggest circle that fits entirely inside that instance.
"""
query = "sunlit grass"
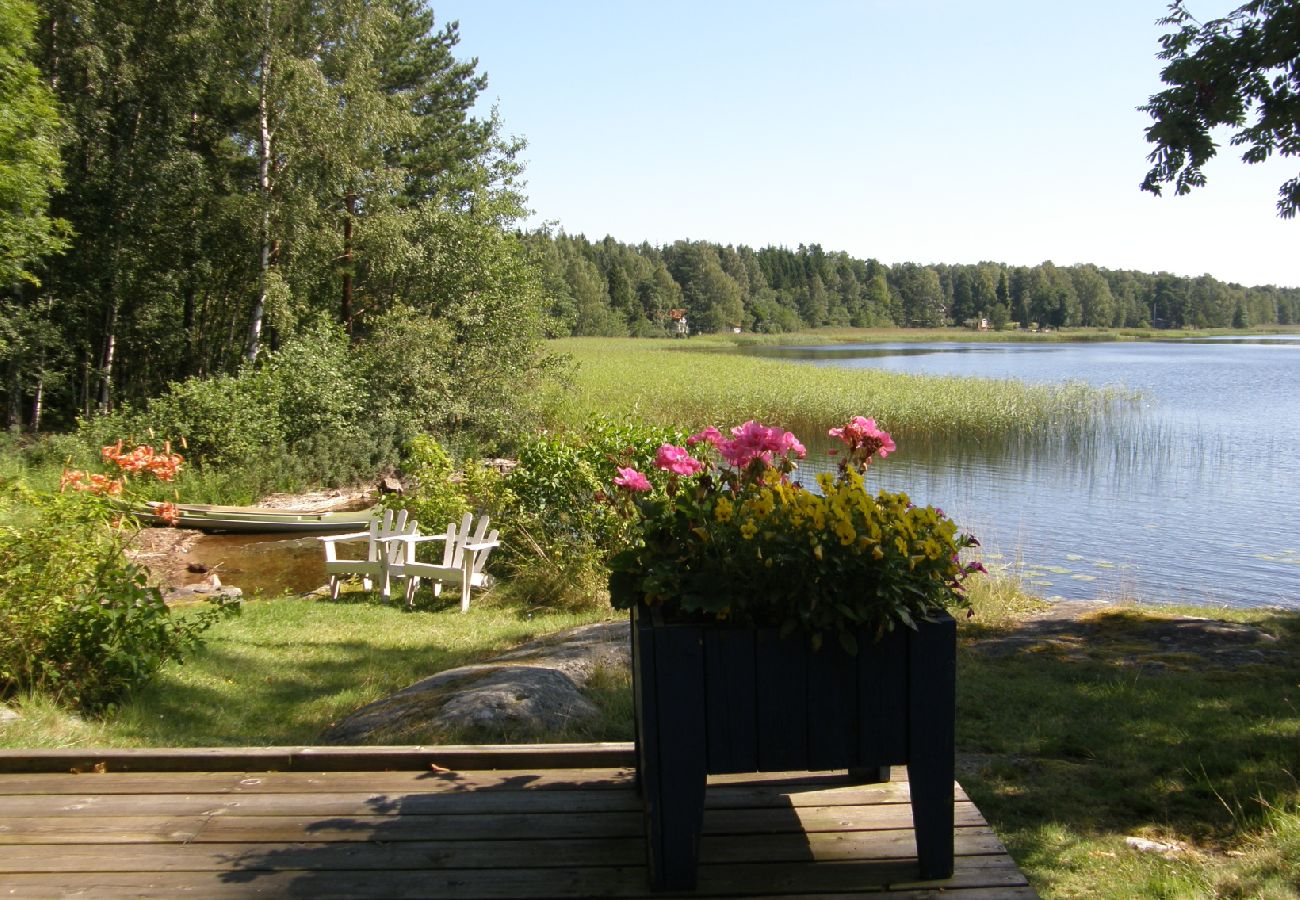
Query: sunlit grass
(285, 669)
(692, 384)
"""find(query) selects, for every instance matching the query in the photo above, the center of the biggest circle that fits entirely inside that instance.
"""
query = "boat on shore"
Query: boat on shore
(256, 520)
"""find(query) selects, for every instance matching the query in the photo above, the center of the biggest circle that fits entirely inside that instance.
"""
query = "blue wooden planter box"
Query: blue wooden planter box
(717, 699)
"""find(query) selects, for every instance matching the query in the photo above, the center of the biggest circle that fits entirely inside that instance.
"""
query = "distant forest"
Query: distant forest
(611, 288)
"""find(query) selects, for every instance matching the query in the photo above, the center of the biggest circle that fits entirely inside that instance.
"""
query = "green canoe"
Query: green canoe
(253, 520)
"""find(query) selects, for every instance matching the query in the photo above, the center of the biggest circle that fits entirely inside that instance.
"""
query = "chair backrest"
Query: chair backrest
(481, 556)
(391, 524)
(453, 555)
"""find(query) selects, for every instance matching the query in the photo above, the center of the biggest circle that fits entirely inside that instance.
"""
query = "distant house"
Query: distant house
(677, 325)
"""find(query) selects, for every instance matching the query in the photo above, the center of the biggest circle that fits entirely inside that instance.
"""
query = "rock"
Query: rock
(7, 715)
(389, 485)
(204, 590)
(528, 696)
(1167, 849)
(535, 687)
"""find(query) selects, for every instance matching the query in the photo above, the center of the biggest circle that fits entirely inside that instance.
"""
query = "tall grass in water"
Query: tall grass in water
(692, 385)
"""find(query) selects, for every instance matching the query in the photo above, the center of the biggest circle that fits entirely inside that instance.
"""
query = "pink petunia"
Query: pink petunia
(677, 460)
(631, 479)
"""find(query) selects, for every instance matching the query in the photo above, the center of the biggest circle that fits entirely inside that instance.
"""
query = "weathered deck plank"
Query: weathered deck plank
(507, 833)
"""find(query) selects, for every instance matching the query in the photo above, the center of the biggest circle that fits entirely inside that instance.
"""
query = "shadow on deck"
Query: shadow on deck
(448, 822)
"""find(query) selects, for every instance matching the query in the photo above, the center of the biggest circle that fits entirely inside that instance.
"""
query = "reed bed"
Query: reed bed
(690, 385)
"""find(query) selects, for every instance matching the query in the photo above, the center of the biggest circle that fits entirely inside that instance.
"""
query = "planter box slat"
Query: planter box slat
(781, 670)
(732, 727)
(832, 688)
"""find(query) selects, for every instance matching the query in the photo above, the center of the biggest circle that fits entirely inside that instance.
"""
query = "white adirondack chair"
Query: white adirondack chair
(381, 556)
(463, 556)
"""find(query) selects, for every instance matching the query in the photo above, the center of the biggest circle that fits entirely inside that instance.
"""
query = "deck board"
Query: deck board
(507, 833)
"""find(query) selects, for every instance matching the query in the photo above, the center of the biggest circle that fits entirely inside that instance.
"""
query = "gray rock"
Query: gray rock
(527, 696)
(536, 687)
(7, 715)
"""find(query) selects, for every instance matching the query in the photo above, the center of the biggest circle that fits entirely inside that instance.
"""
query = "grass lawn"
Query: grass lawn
(1070, 750)
(285, 668)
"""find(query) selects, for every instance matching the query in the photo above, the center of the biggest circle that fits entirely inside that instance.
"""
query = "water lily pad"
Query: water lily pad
(1057, 570)
(1084, 577)
(1104, 564)
(1073, 557)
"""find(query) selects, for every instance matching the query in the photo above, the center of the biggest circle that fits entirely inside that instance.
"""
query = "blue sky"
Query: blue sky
(926, 131)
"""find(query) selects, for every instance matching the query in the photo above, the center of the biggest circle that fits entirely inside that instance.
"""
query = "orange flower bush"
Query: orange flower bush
(163, 465)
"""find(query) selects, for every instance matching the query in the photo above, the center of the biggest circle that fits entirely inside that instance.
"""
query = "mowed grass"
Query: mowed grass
(286, 668)
(1069, 755)
(701, 382)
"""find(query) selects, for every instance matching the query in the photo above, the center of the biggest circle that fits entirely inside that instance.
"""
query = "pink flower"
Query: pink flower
(709, 435)
(862, 433)
(790, 442)
(677, 460)
(753, 441)
(631, 479)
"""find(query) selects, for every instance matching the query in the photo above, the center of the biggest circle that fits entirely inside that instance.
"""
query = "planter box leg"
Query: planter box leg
(933, 702)
(672, 754)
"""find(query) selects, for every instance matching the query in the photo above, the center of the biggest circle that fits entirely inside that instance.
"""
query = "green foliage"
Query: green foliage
(29, 153)
(1220, 72)
(76, 619)
(608, 289)
(432, 497)
(558, 529)
(301, 416)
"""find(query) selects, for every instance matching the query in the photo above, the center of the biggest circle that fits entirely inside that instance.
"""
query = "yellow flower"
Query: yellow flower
(722, 510)
(748, 530)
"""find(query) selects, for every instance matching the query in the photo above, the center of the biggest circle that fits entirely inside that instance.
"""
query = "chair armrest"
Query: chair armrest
(354, 536)
(414, 538)
(482, 545)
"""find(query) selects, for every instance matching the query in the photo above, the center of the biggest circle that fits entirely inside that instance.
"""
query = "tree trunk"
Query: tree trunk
(264, 188)
(38, 399)
(110, 350)
(350, 207)
(14, 413)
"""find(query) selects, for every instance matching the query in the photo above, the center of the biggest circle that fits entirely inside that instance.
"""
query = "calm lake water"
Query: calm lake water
(1196, 501)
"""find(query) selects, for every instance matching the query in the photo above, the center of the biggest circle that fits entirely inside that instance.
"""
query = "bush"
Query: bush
(559, 533)
(432, 495)
(77, 619)
(303, 416)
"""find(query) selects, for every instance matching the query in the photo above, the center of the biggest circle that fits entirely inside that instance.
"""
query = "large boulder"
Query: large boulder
(535, 688)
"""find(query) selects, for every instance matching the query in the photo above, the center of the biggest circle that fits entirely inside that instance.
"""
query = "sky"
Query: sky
(930, 131)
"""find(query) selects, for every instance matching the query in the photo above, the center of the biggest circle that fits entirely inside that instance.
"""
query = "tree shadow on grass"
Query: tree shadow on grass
(1123, 724)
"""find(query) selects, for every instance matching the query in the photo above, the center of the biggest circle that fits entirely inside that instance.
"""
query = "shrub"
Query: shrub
(77, 619)
(559, 532)
(432, 495)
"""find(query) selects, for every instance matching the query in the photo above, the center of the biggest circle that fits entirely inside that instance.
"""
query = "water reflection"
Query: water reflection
(272, 564)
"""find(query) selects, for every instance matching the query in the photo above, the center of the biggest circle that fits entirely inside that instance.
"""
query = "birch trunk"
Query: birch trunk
(264, 187)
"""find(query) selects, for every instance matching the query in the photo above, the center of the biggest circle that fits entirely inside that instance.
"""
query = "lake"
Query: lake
(1193, 499)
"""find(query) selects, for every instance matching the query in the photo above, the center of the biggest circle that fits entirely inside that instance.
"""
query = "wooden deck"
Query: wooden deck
(558, 821)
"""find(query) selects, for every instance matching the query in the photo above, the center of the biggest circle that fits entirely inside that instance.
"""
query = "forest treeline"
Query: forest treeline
(189, 187)
(611, 288)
